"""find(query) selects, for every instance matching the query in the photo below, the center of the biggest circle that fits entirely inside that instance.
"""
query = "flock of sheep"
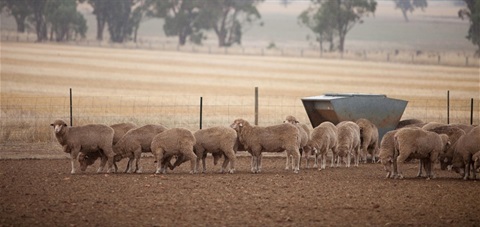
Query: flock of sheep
(456, 146)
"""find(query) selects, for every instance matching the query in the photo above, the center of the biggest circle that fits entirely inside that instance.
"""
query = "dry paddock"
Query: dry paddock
(43, 192)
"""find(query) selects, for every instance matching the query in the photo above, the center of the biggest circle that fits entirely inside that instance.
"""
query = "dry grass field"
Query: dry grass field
(112, 85)
(145, 86)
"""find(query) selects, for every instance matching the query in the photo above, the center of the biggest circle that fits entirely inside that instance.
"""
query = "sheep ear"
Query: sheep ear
(297, 122)
(65, 125)
(52, 125)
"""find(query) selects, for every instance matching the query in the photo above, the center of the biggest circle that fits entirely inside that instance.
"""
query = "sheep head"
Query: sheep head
(238, 124)
(291, 119)
(86, 160)
(58, 126)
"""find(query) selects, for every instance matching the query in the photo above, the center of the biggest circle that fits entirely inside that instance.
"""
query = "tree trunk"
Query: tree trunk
(100, 27)
(405, 16)
(20, 20)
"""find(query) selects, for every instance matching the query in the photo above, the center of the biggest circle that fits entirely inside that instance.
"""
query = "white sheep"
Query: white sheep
(85, 139)
(453, 133)
(174, 142)
(416, 143)
(220, 141)
(368, 138)
(466, 147)
(322, 140)
(277, 138)
(86, 160)
(304, 131)
(134, 142)
(348, 142)
(387, 151)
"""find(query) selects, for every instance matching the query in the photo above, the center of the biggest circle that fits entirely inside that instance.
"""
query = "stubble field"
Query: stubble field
(42, 192)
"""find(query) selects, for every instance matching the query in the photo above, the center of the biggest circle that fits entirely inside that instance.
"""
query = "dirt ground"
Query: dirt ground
(43, 192)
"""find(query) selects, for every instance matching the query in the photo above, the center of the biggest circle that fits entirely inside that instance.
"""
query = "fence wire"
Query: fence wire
(26, 120)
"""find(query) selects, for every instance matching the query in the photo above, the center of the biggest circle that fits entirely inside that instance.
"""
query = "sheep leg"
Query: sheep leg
(231, 159)
(467, 169)
(307, 156)
(421, 165)
(296, 158)
(400, 161)
(349, 159)
(315, 160)
(138, 154)
(74, 157)
(190, 155)
(324, 161)
(428, 168)
(332, 163)
(254, 164)
(159, 155)
(287, 167)
(259, 163)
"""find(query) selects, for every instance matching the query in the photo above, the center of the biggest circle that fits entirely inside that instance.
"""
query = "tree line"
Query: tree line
(189, 20)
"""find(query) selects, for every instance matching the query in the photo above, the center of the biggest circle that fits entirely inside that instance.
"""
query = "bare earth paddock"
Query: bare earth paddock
(43, 192)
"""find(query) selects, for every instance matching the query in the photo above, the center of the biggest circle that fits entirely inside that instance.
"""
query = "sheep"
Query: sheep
(431, 125)
(174, 142)
(121, 129)
(453, 133)
(410, 123)
(134, 142)
(464, 127)
(465, 148)
(304, 137)
(386, 152)
(85, 139)
(87, 160)
(348, 142)
(416, 143)
(219, 140)
(276, 138)
(368, 138)
(323, 139)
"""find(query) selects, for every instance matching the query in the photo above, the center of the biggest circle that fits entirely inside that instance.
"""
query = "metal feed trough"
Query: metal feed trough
(384, 112)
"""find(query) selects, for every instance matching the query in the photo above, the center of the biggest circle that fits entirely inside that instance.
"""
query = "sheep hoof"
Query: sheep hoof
(231, 171)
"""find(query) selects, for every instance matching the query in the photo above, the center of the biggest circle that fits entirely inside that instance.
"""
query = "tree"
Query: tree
(472, 12)
(39, 17)
(19, 9)
(64, 20)
(338, 17)
(181, 19)
(230, 18)
(322, 24)
(123, 17)
(100, 10)
(118, 16)
(409, 6)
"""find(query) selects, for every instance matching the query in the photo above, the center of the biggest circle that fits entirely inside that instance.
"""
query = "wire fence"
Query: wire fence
(26, 120)
(450, 58)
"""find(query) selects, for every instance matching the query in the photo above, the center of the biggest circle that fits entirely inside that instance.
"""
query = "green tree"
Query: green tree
(409, 6)
(181, 19)
(64, 20)
(118, 16)
(321, 23)
(38, 7)
(230, 18)
(338, 17)
(472, 12)
(19, 9)
(100, 10)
